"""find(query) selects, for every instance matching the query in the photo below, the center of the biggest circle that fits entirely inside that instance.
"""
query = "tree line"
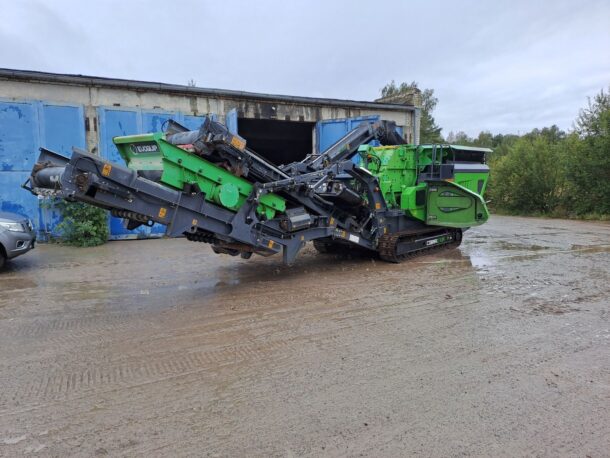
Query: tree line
(547, 171)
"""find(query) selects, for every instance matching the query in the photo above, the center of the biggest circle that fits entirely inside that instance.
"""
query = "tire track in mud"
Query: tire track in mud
(182, 382)
(60, 386)
(76, 327)
(182, 386)
(65, 331)
(42, 338)
(254, 366)
(93, 330)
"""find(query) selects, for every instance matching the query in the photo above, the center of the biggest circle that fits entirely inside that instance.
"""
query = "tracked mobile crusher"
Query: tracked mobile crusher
(395, 199)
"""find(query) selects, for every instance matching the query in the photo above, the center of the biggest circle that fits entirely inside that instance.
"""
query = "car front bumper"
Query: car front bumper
(18, 243)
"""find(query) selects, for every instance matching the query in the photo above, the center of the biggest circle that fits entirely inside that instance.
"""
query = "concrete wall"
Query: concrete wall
(91, 96)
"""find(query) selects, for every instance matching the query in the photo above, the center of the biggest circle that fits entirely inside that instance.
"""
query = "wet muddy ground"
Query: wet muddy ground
(162, 348)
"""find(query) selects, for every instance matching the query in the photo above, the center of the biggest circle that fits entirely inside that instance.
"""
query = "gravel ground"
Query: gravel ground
(162, 348)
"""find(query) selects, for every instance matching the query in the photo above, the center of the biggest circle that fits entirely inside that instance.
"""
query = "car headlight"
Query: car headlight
(13, 227)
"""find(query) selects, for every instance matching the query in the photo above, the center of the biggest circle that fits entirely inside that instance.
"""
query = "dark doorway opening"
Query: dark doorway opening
(281, 142)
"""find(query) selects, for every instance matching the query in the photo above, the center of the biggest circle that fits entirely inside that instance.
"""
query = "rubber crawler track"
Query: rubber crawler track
(201, 236)
(388, 244)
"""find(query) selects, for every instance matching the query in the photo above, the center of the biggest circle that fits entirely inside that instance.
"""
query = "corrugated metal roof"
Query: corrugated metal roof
(83, 80)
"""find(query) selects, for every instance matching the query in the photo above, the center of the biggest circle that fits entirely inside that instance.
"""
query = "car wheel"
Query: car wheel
(2, 260)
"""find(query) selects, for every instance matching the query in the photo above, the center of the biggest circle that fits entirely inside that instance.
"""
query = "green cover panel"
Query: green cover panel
(451, 205)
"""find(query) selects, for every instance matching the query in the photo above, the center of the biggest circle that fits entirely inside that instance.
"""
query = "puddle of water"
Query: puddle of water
(504, 245)
(480, 260)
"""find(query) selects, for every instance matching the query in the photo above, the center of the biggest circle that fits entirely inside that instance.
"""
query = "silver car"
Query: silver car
(17, 236)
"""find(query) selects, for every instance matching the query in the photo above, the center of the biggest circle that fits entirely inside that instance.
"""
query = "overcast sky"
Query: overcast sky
(503, 66)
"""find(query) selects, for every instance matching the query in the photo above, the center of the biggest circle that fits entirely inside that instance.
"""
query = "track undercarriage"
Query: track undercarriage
(398, 247)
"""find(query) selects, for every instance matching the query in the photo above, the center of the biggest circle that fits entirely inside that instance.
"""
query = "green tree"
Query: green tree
(553, 134)
(459, 138)
(529, 179)
(588, 162)
(591, 120)
(502, 145)
(429, 131)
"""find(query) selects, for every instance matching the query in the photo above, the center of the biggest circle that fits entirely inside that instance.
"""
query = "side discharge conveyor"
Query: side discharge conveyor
(398, 200)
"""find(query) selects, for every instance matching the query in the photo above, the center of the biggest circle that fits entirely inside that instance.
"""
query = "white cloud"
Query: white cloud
(504, 66)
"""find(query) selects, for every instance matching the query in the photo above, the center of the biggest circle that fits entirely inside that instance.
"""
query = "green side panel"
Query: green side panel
(413, 201)
(141, 159)
(475, 182)
(452, 205)
(180, 168)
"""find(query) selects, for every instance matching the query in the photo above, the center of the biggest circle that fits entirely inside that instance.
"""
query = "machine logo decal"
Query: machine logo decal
(145, 148)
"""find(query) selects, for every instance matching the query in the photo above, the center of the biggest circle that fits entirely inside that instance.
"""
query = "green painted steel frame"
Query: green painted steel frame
(181, 168)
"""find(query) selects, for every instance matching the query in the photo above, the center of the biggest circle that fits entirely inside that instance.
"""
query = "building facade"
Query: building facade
(58, 112)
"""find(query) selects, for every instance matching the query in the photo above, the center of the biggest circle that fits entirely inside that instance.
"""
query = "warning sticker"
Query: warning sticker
(238, 143)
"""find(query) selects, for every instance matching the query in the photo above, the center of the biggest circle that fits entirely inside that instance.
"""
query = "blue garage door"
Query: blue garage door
(191, 122)
(331, 130)
(19, 143)
(24, 127)
(121, 121)
(62, 127)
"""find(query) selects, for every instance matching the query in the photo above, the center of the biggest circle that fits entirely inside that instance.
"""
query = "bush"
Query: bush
(529, 179)
(588, 170)
(82, 225)
(547, 172)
